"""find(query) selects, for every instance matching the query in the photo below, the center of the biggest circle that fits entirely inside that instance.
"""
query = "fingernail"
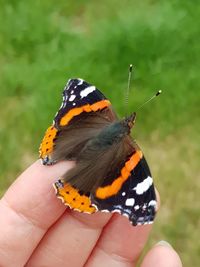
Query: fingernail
(163, 243)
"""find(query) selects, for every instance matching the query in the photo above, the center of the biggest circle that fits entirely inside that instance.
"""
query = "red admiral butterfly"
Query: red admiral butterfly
(111, 173)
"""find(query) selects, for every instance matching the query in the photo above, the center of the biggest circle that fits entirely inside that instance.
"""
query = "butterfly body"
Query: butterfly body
(109, 136)
(111, 173)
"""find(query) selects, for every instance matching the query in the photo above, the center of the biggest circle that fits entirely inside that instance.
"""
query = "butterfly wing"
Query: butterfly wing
(78, 97)
(83, 112)
(131, 194)
(117, 179)
(94, 167)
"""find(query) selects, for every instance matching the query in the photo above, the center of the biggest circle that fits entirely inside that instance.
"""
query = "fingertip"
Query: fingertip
(49, 171)
(32, 193)
(162, 255)
(121, 238)
(27, 210)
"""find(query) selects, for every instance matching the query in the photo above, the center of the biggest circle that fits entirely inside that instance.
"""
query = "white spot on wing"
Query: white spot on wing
(116, 211)
(144, 207)
(87, 91)
(123, 194)
(106, 211)
(137, 207)
(150, 222)
(72, 97)
(152, 203)
(143, 186)
(80, 82)
(130, 202)
(125, 215)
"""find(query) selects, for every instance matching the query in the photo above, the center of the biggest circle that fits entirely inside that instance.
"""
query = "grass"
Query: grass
(42, 44)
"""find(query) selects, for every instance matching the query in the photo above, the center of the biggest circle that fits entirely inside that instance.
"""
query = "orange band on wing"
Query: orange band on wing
(86, 108)
(47, 144)
(110, 190)
(71, 197)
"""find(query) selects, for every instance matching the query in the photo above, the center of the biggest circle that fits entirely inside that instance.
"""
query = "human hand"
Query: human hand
(37, 230)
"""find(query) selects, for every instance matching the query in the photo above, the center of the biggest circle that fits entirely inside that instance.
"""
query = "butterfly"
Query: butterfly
(111, 173)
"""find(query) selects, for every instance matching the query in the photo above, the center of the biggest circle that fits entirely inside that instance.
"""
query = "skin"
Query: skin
(37, 230)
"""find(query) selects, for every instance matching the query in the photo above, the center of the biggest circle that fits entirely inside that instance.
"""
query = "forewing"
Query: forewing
(84, 111)
(79, 96)
(72, 138)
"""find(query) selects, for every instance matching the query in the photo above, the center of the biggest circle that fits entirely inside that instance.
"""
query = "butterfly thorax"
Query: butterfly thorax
(110, 135)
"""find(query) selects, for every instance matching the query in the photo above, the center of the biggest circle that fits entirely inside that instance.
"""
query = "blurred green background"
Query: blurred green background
(44, 43)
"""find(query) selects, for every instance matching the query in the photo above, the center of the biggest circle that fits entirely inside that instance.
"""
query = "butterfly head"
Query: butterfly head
(130, 120)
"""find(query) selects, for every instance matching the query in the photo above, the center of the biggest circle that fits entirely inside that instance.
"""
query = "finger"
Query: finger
(27, 210)
(162, 255)
(120, 243)
(75, 233)
(70, 240)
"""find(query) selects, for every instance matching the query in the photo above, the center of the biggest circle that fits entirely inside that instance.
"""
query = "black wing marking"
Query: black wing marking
(136, 199)
(77, 93)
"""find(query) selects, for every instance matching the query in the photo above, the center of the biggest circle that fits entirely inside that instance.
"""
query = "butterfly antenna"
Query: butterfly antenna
(128, 85)
(150, 99)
